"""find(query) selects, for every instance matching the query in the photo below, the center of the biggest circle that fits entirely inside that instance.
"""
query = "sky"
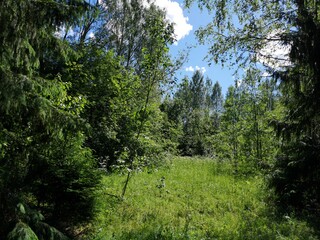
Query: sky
(187, 21)
(274, 54)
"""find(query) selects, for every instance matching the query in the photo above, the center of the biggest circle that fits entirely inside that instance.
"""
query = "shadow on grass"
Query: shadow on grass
(269, 225)
(159, 232)
(265, 226)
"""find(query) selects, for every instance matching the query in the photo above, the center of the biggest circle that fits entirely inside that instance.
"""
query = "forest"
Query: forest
(99, 138)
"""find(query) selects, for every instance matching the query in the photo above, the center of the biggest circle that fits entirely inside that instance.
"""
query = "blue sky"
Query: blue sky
(193, 18)
(187, 21)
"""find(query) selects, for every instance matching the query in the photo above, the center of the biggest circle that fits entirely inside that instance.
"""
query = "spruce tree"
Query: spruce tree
(296, 178)
(45, 172)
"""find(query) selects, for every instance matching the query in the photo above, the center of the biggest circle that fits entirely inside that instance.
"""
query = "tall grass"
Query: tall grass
(191, 199)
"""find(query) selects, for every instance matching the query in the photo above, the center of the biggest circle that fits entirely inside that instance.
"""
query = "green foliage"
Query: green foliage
(22, 232)
(296, 173)
(31, 226)
(297, 169)
(245, 124)
(121, 84)
(45, 231)
(195, 112)
(43, 164)
(68, 104)
(240, 29)
(131, 29)
(120, 73)
(108, 89)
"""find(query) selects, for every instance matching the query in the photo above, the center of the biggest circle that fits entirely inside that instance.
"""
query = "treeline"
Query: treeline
(237, 127)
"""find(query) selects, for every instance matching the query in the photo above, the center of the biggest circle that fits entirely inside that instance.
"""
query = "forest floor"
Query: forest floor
(191, 198)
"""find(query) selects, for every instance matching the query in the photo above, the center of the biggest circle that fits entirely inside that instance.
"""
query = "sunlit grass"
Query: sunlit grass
(191, 199)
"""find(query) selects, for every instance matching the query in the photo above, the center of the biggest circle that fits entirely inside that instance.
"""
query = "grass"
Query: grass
(191, 199)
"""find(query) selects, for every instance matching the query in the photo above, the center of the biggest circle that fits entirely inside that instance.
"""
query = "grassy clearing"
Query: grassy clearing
(193, 199)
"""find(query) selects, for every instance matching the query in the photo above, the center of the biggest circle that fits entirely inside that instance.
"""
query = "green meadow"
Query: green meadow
(191, 198)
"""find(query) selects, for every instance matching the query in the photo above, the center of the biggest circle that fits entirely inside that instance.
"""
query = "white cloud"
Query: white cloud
(201, 69)
(91, 35)
(238, 82)
(196, 68)
(174, 13)
(265, 74)
(274, 54)
(60, 33)
(190, 69)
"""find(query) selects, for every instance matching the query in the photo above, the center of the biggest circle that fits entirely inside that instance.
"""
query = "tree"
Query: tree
(297, 169)
(230, 127)
(295, 25)
(121, 71)
(192, 99)
(124, 27)
(154, 66)
(245, 131)
(44, 168)
(246, 29)
(217, 104)
(193, 109)
(172, 124)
